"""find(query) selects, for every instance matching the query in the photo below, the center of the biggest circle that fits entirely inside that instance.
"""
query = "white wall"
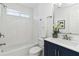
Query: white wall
(18, 30)
(42, 11)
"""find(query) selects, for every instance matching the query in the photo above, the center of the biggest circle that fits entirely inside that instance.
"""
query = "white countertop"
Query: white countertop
(65, 43)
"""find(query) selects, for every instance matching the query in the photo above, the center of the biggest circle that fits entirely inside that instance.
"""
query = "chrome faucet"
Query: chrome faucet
(67, 37)
(2, 44)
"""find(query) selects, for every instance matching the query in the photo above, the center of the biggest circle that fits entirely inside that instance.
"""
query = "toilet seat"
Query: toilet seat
(35, 50)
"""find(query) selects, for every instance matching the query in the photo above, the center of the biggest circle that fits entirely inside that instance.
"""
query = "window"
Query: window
(24, 15)
(13, 13)
(17, 13)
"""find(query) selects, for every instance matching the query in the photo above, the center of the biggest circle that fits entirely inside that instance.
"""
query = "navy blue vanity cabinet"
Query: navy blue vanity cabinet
(51, 49)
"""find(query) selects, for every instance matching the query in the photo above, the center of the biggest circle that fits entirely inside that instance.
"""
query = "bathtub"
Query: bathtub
(17, 50)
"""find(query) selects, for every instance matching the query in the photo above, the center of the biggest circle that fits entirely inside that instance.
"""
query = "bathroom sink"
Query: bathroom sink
(67, 42)
(70, 43)
(76, 42)
(64, 42)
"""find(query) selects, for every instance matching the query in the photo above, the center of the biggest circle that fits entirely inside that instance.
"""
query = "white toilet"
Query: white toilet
(37, 50)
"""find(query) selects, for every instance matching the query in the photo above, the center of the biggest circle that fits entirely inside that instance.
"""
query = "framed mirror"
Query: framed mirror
(68, 16)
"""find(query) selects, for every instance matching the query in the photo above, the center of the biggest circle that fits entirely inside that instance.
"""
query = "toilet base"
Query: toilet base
(38, 54)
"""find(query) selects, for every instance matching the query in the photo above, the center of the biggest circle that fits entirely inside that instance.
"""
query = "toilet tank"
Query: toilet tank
(41, 42)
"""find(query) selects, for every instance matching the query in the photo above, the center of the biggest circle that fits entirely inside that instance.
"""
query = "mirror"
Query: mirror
(68, 13)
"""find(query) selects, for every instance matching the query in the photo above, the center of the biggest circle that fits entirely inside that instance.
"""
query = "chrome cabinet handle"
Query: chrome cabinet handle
(58, 53)
(55, 52)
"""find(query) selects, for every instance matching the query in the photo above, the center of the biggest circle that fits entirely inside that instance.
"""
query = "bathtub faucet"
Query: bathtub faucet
(2, 44)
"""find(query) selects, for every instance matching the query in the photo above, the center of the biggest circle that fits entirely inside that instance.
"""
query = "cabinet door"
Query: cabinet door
(49, 49)
(68, 52)
(46, 47)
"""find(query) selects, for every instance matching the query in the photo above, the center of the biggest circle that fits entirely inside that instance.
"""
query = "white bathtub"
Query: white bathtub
(17, 50)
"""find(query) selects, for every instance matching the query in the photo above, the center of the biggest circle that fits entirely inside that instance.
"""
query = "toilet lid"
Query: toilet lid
(35, 50)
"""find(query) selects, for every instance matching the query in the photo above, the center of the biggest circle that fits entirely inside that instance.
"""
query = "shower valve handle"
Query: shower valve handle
(1, 35)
